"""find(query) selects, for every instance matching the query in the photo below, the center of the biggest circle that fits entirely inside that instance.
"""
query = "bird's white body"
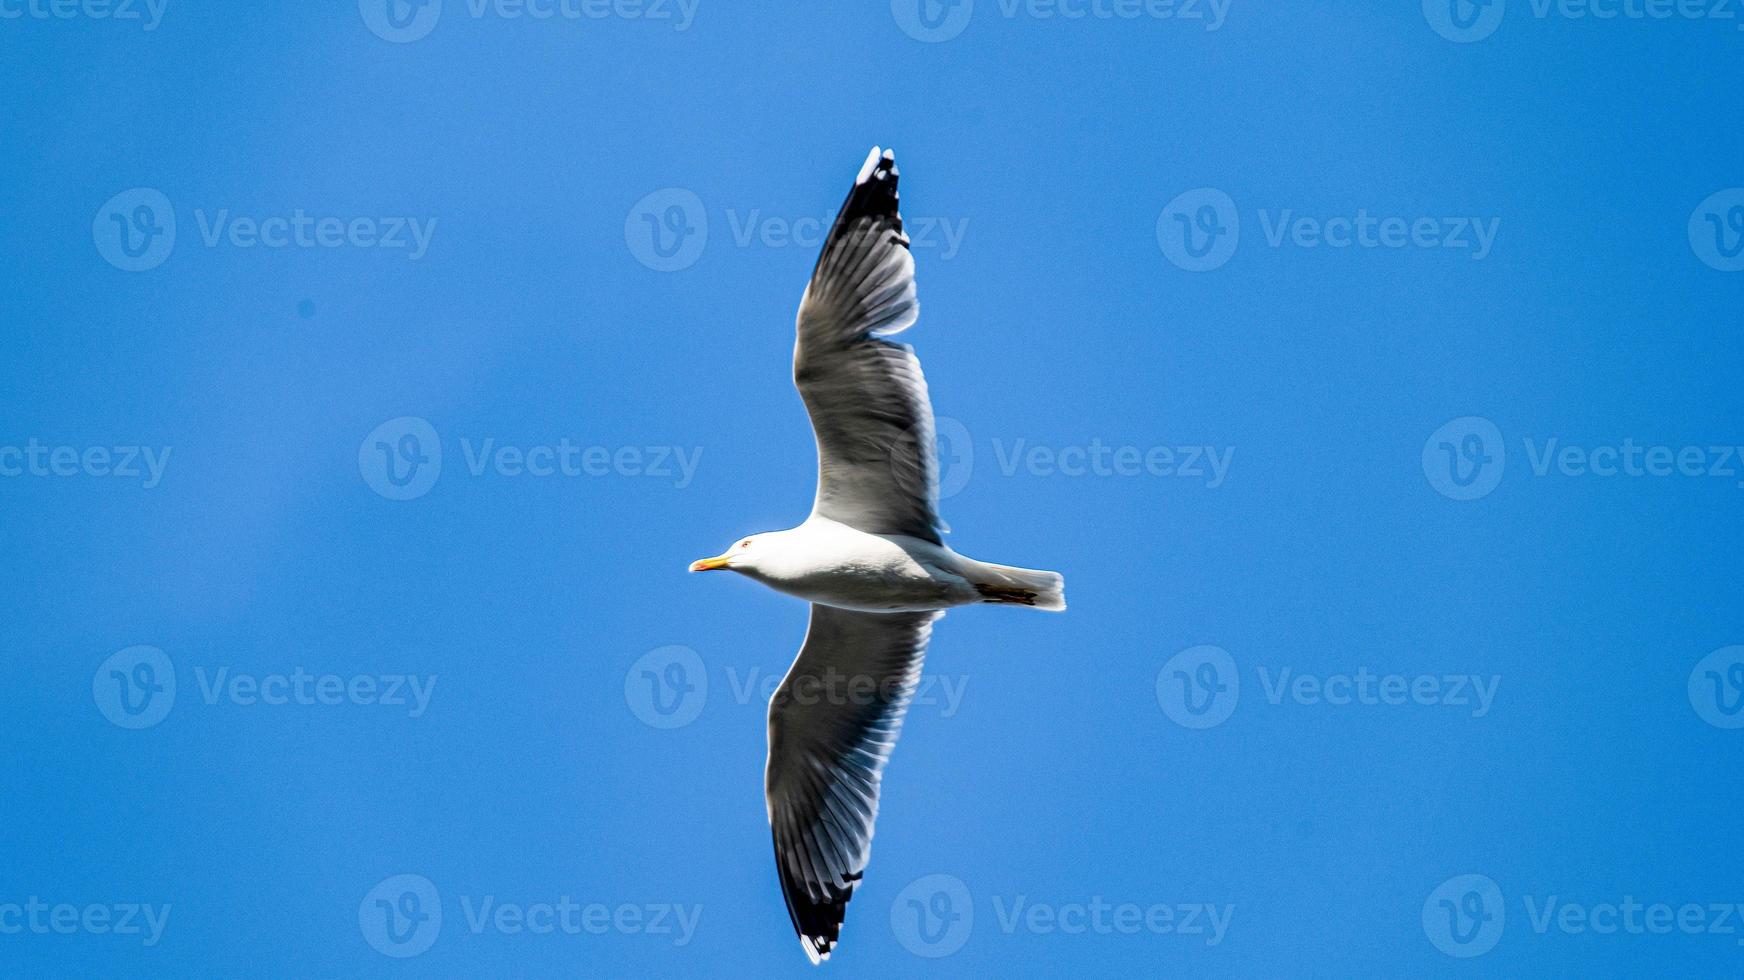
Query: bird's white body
(829, 562)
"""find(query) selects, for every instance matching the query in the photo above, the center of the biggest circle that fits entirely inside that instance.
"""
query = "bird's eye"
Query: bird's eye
(745, 543)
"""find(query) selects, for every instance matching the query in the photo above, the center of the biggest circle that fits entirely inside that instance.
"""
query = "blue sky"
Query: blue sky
(1369, 373)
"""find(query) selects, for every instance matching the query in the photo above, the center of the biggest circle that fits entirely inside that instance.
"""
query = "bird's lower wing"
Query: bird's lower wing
(832, 724)
(877, 465)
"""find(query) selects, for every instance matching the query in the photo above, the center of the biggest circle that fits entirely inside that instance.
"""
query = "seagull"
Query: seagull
(871, 559)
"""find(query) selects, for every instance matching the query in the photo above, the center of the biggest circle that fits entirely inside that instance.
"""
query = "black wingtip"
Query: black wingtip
(874, 194)
(818, 924)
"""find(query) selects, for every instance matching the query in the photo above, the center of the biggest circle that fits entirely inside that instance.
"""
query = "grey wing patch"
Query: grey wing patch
(832, 725)
(870, 411)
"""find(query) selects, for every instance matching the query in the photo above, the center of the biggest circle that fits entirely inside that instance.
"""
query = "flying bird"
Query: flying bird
(871, 559)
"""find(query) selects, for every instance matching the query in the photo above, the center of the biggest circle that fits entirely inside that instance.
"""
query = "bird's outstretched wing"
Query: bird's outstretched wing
(877, 465)
(832, 724)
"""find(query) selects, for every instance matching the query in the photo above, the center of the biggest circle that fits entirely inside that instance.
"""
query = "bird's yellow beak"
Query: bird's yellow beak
(709, 564)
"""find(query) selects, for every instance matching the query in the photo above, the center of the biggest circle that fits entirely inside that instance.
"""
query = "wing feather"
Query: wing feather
(832, 725)
(870, 412)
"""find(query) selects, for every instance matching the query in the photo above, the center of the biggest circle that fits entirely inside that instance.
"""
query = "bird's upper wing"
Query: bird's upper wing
(877, 466)
(832, 724)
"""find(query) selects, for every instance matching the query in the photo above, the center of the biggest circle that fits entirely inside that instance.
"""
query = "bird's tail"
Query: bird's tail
(1005, 585)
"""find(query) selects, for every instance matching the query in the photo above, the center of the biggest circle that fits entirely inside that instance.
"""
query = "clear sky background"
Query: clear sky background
(1086, 784)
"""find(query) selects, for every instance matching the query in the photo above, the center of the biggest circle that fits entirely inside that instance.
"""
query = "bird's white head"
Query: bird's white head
(743, 556)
